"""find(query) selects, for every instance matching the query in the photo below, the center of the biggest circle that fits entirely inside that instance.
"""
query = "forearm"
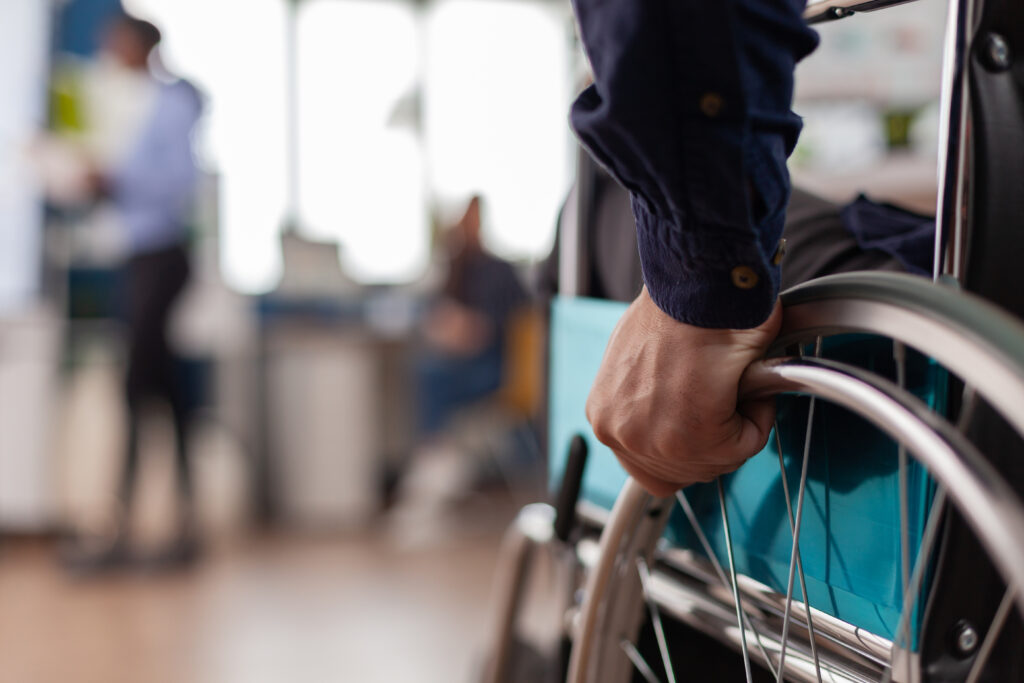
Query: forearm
(690, 111)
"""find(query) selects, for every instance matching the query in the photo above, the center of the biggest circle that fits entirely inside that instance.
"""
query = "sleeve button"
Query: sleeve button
(711, 104)
(744, 277)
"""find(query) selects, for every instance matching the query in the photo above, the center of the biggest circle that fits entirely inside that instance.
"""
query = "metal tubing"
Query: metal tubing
(532, 528)
(953, 139)
(989, 505)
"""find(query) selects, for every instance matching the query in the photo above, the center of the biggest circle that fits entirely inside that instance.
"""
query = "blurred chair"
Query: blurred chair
(499, 431)
(520, 392)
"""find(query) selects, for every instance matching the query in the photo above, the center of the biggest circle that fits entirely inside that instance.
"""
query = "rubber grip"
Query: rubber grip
(569, 491)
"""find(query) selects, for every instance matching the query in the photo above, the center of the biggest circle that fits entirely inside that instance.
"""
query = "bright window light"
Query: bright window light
(498, 83)
(361, 168)
(495, 82)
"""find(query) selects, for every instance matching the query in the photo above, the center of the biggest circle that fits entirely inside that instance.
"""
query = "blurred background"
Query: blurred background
(271, 333)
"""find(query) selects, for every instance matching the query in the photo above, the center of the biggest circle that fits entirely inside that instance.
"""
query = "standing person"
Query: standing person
(151, 185)
(690, 110)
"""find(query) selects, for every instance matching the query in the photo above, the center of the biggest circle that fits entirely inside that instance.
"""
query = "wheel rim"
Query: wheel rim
(911, 311)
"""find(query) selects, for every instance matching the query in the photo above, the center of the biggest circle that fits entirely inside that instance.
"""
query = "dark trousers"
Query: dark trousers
(154, 281)
(446, 383)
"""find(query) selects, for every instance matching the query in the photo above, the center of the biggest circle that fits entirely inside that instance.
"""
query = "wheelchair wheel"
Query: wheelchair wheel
(639, 581)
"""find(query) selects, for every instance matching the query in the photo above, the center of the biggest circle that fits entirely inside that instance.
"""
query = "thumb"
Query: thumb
(757, 417)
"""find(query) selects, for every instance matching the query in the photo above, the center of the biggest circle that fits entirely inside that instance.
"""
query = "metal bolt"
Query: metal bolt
(996, 52)
(966, 639)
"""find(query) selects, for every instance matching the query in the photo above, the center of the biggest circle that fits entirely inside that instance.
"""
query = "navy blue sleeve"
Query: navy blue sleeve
(690, 111)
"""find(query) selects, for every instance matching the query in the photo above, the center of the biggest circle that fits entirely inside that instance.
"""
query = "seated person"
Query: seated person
(465, 328)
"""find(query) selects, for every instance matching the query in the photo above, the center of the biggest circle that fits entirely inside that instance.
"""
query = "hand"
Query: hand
(667, 400)
(457, 329)
(97, 182)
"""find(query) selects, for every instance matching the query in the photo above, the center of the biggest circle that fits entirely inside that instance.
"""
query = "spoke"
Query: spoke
(799, 561)
(899, 354)
(638, 661)
(735, 585)
(692, 517)
(910, 593)
(659, 630)
(917, 576)
(795, 552)
(967, 405)
(994, 629)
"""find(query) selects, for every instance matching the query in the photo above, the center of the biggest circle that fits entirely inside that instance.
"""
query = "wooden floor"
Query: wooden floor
(374, 607)
(405, 600)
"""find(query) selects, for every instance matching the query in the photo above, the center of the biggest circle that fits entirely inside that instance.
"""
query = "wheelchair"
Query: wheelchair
(879, 536)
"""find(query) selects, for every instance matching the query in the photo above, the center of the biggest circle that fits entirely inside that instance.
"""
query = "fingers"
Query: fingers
(758, 418)
(653, 485)
(662, 476)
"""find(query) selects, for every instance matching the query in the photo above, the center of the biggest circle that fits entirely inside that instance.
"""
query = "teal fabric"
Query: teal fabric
(850, 540)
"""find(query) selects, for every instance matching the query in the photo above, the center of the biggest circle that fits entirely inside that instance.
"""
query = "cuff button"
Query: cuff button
(744, 277)
(711, 104)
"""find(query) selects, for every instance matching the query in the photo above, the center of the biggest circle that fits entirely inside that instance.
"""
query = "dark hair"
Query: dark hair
(147, 32)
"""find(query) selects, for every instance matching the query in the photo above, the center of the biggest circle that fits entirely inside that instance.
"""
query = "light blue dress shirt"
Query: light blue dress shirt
(153, 188)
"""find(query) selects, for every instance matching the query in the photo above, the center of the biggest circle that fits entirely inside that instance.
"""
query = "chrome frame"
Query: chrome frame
(685, 586)
(953, 151)
(985, 500)
(533, 529)
(972, 337)
(826, 10)
(954, 108)
(687, 589)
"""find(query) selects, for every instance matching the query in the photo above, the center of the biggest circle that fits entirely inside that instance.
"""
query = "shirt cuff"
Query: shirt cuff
(716, 277)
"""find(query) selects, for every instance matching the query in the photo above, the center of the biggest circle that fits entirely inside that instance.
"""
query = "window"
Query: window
(361, 170)
(399, 106)
(498, 87)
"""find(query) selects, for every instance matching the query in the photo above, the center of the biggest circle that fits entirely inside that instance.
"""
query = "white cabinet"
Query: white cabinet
(29, 359)
(323, 398)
